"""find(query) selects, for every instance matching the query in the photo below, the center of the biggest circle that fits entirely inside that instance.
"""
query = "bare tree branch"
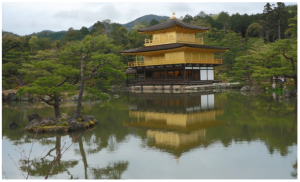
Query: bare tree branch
(67, 78)
(290, 58)
(47, 102)
(95, 71)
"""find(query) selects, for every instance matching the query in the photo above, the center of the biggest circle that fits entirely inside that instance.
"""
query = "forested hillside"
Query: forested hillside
(146, 18)
(261, 46)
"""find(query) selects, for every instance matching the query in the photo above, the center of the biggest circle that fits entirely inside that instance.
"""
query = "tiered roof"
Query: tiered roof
(172, 23)
(169, 24)
(171, 46)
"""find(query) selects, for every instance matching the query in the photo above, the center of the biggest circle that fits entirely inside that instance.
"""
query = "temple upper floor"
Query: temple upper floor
(173, 31)
(173, 37)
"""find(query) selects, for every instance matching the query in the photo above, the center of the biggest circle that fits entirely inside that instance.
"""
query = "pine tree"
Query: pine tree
(91, 55)
(48, 78)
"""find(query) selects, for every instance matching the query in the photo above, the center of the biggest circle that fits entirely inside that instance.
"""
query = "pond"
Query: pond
(197, 135)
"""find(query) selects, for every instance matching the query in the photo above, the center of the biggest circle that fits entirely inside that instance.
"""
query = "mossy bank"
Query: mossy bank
(59, 125)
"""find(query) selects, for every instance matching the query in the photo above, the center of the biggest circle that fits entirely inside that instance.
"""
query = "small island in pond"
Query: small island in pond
(57, 125)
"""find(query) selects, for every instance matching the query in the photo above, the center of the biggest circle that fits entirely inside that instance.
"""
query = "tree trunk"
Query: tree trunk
(271, 80)
(58, 149)
(85, 164)
(56, 161)
(249, 79)
(56, 105)
(21, 84)
(224, 27)
(268, 35)
(293, 68)
(79, 102)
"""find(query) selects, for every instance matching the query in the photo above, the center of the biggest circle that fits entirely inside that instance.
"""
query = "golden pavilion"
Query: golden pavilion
(174, 56)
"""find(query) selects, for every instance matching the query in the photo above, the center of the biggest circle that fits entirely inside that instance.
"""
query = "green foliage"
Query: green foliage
(254, 30)
(243, 68)
(11, 33)
(94, 94)
(153, 22)
(5, 83)
(45, 86)
(48, 76)
(224, 19)
(83, 32)
(187, 18)
(53, 36)
(292, 30)
(102, 56)
(14, 53)
(36, 43)
(289, 85)
(72, 35)
(98, 28)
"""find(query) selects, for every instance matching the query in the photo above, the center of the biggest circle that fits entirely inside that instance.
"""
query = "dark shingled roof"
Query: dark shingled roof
(171, 22)
(171, 46)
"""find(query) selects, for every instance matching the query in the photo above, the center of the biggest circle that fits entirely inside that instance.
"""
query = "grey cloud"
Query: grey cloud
(109, 11)
(180, 7)
(72, 14)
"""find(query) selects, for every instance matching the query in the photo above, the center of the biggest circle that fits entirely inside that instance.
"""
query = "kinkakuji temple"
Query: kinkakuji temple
(174, 56)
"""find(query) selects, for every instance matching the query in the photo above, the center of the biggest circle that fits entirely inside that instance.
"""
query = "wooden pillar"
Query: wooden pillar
(192, 72)
(165, 73)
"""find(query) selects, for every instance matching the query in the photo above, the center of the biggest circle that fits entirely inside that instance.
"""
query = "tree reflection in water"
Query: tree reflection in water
(44, 166)
(112, 171)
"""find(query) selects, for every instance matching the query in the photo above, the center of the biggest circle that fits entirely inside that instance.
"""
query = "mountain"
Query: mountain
(5, 32)
(146, 18)
(59, 35)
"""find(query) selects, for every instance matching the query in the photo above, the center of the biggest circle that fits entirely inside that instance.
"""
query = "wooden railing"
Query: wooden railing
(167, 40)
(176, 61)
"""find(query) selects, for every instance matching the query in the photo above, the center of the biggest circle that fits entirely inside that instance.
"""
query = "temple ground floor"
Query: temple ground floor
(170, 75)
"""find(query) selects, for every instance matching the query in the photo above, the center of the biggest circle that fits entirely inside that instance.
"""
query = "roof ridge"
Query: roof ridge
(170, 23)
(171, 46)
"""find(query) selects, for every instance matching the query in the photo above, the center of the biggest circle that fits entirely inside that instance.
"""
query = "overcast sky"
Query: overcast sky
(27, 17)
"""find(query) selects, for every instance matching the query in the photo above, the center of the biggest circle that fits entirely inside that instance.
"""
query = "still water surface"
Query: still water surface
(161, 136)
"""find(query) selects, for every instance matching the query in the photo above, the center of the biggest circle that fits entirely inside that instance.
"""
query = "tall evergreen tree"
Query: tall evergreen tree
(91, 56)
(72, 35)
(224, 19)
(83, 32)
(281, 15)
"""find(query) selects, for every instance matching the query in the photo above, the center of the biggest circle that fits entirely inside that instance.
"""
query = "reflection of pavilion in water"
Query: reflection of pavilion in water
(175, 123)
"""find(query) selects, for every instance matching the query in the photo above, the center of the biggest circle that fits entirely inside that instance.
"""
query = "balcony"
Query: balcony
(178, 39)
(176, 61)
